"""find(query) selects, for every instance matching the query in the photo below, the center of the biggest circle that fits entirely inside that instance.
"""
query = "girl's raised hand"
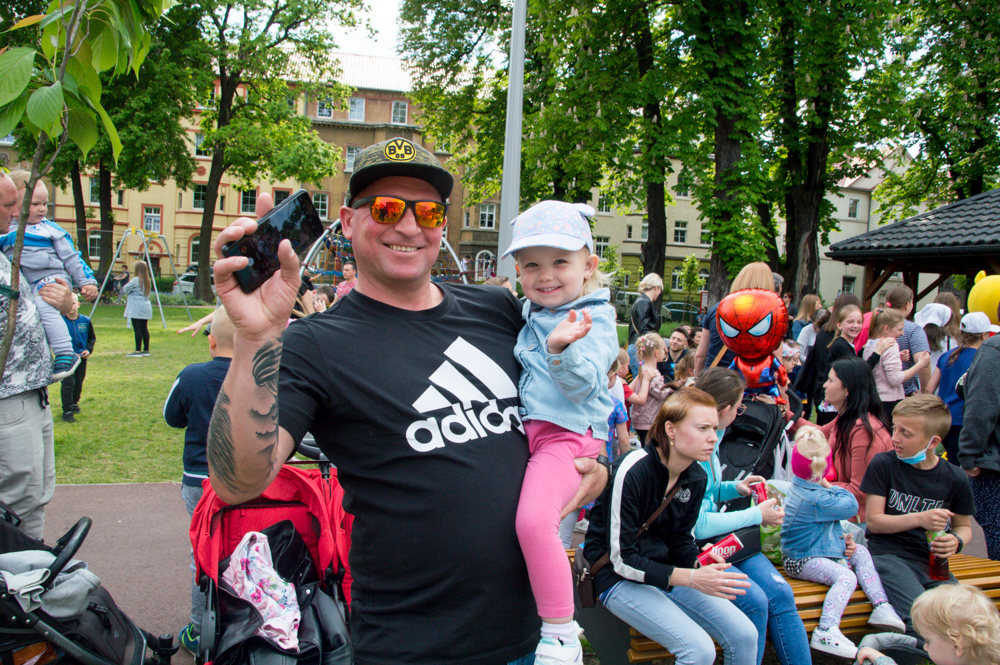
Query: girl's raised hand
(884, 344)
(570, 329)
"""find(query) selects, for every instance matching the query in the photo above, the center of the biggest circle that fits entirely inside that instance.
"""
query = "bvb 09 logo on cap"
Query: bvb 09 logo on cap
(399, 150)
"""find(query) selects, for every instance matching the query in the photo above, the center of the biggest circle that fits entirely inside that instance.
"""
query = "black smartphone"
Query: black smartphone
(294, 219)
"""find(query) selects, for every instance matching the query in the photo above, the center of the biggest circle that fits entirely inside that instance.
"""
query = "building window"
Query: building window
(680, 232)
(601, 245)
(280, 195)
(645, 230)
(356, 111)
(321, 201)
(625, 282)
(628, 232)
(852, 211)
(180, 200)
(847, 286)
(95, 191)
(222, 203)
(198, 151)
(248, 201)
(467, 221)
(324, 109)
(399, 110)
(151, 216)
(350, 154)
(603, 204)
(675, 279)
(487, 215)
(706, 237)
(94, 245)
(195, 245)
(198, 199)
(121, 197)
(682, 190)
(292, 101)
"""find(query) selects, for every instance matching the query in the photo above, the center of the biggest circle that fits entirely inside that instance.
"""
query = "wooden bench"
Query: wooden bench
(616, 643)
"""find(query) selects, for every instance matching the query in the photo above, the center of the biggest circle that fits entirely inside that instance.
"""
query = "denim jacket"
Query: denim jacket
(568, 389)
(812, 520)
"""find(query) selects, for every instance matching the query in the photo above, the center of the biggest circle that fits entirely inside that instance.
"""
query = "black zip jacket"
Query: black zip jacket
(637, 489)
(643, 318)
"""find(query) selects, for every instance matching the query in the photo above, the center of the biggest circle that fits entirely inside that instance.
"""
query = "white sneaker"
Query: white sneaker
(553, 651)
(833, 641)
(884, 616)
(582, 526)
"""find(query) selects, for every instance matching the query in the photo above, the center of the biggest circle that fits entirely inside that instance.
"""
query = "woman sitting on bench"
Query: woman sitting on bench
(654, 582)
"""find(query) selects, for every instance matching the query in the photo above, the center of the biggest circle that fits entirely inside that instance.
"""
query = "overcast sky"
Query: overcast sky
(382, 15)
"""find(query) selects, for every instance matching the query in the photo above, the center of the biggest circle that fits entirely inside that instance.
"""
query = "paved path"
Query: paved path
(139, 547)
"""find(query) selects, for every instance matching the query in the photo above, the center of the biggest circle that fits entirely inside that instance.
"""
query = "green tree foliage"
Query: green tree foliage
(611, 266)
(52, 86)
(948, 63)
(150, 115)
(250, 128)
(691, 280)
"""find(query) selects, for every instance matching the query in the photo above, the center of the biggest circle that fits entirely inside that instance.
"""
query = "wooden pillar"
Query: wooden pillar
(877, 273)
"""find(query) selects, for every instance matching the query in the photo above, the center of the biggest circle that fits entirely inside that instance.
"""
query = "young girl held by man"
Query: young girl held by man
(814, 547)
(568, 342)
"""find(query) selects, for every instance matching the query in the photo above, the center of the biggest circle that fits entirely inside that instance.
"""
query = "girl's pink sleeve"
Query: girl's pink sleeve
(658, 388)
(893, 365)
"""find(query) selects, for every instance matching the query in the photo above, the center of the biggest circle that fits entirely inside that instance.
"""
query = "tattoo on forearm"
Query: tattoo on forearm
(266, 363)
(220, 444)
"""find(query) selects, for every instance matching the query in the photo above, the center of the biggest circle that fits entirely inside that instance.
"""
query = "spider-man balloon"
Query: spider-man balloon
(752, 323)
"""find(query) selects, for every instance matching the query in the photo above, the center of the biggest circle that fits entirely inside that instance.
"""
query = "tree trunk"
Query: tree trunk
(107, 221)
(728, 151)
(203, 284)
(654, 251)
(82, 240)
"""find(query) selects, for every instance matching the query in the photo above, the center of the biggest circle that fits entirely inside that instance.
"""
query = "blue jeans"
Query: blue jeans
(633, 360)
(191, 496)
(685, 621)
(770, 605)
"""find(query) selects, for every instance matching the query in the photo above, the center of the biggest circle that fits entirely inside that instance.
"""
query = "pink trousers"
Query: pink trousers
(550, 481)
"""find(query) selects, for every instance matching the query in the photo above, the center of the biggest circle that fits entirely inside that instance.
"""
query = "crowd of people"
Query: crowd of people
(557, 400)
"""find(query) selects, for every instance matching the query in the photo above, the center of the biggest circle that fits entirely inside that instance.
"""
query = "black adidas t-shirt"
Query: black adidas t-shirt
(908, 489)
(418, 410)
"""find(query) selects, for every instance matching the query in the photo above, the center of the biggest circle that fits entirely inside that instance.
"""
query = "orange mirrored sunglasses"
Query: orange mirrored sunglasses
(390, 209)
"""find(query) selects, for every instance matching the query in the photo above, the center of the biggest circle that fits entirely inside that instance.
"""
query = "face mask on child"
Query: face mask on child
(919, 457)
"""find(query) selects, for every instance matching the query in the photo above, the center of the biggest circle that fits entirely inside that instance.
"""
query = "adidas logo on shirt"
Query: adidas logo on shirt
(475, 414)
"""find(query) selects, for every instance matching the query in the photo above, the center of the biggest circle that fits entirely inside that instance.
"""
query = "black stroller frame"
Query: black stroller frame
(19, 629)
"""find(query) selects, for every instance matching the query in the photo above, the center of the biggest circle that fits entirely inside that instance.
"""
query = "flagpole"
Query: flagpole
(510, 188)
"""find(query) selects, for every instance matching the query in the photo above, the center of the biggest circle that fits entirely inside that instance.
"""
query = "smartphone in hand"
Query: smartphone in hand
(294, 219)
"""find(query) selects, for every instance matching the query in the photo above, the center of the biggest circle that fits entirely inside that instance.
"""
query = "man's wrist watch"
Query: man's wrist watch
(961, 543)
(606, 463)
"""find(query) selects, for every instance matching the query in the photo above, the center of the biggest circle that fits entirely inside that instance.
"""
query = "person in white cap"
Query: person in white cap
(565, 348)
(935, 319)
(973, 331)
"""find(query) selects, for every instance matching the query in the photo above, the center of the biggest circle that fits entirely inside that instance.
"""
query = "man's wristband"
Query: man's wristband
(606, 463)
(961, 543)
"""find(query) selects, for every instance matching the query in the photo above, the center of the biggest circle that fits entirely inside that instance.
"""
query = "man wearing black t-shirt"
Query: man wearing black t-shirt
(911, 492)
(410, 388)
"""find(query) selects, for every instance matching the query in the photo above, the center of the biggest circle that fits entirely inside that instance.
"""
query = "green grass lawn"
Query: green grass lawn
(120, 435)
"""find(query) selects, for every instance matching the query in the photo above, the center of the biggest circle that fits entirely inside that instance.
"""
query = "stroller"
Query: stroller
(90, 629)
(308, 533)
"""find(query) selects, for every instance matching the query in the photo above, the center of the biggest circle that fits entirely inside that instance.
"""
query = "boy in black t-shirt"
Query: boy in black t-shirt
(910, 493)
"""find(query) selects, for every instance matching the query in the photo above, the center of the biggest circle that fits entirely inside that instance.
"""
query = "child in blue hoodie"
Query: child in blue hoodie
(568, 342)
(813, 546)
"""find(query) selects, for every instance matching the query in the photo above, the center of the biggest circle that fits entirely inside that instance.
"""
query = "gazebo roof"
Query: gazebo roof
(947, 239)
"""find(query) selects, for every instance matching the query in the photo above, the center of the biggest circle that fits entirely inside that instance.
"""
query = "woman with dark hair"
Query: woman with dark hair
(860, 429)
(652, 580)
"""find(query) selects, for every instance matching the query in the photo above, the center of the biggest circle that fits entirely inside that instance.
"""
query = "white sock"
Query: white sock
(564, 632)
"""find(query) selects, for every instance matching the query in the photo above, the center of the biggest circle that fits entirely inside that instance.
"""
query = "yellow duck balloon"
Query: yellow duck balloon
(985, 296)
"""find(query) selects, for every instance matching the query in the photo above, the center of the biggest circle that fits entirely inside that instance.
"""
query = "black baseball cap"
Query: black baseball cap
(400, 157)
